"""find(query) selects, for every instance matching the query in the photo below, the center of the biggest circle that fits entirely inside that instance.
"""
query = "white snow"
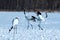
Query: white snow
(30, 34)
(51, 28)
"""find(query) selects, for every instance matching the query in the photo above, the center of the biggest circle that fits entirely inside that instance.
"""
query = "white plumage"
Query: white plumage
(15, 22)
(41, 18)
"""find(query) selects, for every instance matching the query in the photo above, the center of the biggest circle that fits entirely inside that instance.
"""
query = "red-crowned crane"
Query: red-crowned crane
(40, 19)
(30, 19)
(15, 22)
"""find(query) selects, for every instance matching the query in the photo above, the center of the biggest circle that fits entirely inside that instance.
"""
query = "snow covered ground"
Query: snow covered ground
(51, 27)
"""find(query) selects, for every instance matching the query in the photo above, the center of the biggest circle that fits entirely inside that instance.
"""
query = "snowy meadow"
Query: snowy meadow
(51, 27)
